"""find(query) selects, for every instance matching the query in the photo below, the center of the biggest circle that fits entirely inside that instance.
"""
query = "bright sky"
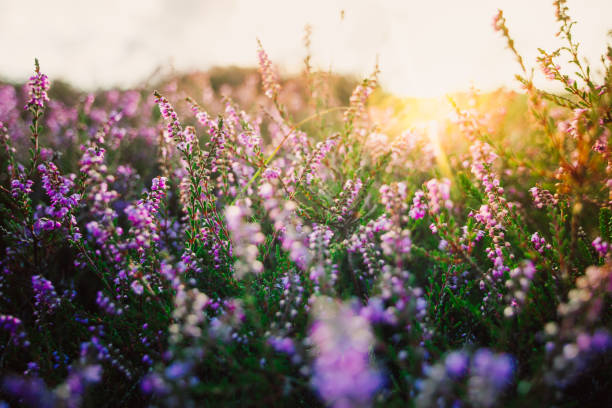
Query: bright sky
(425, 47)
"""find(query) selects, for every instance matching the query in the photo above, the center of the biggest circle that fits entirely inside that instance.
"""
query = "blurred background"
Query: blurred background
(425, 48)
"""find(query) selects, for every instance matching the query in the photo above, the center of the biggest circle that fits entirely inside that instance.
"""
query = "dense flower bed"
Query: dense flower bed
(277, 243)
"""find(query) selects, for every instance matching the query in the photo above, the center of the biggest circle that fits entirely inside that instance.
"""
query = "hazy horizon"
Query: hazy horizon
(424, 49)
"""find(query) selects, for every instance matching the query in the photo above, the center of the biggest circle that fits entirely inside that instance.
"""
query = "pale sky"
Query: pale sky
(425, 48)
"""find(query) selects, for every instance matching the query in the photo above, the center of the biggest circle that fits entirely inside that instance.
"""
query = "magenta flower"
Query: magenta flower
(342, 372)
(37, 89)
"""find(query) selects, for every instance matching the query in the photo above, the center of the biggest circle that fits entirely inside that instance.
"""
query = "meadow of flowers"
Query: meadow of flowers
(240, 239)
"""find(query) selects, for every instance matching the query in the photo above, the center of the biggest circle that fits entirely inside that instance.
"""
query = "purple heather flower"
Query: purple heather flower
(63, 203)
(30, 391)
(269, 77)
(282, 344)
(539, 243)
(19, 188)
(602, 247)
(177, 370)
(438, 195)
(271, 173)
(601, 340)
(456, 364)
(497, 369)
(14, 326)
(342, 373)
(137, 287)
(46, 300)
(167, 111)
(419, 206)
(37, 89)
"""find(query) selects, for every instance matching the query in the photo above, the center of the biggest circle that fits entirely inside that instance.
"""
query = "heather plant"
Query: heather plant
(247, 241)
